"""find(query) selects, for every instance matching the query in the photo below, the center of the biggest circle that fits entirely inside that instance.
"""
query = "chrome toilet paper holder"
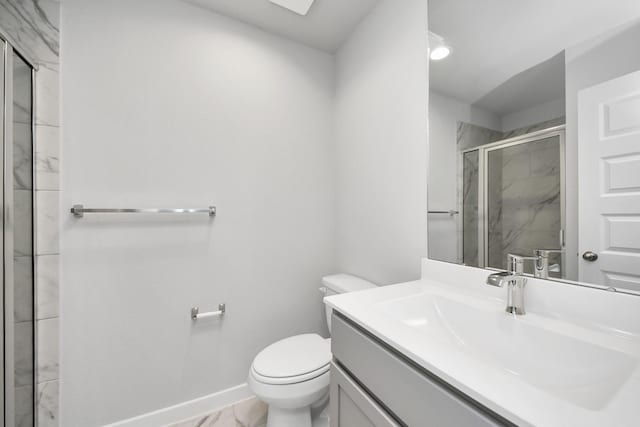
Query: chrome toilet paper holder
(196, 315)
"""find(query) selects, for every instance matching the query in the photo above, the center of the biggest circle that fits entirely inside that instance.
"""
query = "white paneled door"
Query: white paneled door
(609, 182)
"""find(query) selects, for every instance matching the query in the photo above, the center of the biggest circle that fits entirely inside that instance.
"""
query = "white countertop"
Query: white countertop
(607, 322)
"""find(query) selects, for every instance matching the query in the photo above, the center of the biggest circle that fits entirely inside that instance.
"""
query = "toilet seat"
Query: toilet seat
(292, 360)
(289, 380)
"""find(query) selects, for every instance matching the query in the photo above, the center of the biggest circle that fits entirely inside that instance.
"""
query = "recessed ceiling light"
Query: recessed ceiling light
(437, 47)
(301, 7)
(439, 53)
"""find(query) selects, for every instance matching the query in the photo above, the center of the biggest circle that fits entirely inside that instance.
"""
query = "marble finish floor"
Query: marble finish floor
(247, 413)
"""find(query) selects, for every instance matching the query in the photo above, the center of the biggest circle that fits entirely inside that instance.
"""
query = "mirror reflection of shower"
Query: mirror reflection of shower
(512, 197)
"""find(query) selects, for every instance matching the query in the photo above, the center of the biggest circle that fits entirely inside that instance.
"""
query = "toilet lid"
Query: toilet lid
(293, 356)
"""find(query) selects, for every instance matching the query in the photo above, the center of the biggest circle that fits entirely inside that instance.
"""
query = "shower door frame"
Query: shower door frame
(3, 132)
(483, 187)
(7, 355)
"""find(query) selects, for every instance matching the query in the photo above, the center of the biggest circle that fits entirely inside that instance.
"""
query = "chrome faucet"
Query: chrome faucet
(515, 282)
(542, 262)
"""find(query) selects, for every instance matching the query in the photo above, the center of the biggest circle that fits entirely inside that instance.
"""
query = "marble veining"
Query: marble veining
(48, 404)
(32, 27)
(23, 289)
(471, 136)
(524, 202)
(534, 128)
(247, 413)
(23, 351)
(23, 208)
(47, 278)
(523, 194)
(47, 95)
(47, 160)
(48, 347)
(47, 238)
(470, 209)
(22, 157)
(24, 408)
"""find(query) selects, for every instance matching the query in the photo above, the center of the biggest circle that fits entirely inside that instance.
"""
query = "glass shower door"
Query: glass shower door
(524, 201)
(18, 319)
(470, 208)
(19, 183)
(3, 131)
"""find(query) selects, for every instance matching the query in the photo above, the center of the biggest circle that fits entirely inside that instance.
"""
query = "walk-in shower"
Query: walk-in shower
(17, 267)
(512, 200)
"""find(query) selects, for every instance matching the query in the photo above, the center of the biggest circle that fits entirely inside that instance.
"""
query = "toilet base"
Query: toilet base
(298, 417)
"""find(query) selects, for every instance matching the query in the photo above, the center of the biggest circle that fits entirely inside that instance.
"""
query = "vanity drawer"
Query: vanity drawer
(351, 406)
(413, 395)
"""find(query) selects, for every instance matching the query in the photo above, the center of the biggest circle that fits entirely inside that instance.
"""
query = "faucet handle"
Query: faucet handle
(542, 262)
(516, 262)
(544, 253)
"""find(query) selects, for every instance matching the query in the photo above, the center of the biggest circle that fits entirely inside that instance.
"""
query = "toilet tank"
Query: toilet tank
(339, 284)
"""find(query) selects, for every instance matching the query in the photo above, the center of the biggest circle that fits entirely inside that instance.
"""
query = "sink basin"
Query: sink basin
(574, 358)
(547, 353)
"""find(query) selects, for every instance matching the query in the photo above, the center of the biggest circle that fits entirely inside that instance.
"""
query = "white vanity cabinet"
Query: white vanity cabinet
(374, 385)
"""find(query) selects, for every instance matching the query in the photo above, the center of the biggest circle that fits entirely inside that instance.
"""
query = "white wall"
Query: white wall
(381, 148)
(595, 61)
(534, 115)
(169, 105)
(444, 114)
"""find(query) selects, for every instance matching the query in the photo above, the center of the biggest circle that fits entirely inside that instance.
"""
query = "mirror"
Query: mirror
(534, 137)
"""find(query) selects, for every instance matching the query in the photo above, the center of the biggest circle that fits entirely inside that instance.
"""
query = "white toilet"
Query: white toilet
(292, 375)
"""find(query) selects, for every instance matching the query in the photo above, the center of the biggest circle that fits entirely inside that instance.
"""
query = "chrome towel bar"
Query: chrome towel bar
(196, 315)
(451, 212)
(79, 210)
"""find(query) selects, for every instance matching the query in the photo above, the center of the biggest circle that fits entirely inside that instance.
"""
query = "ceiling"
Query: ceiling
(327, 25)
(495, 40)
(537, 85)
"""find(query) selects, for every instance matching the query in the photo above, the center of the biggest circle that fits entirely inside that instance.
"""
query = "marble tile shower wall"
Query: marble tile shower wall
(470, 136)
(32, 27)
(524, 200)
(534, 128)
(515, 227)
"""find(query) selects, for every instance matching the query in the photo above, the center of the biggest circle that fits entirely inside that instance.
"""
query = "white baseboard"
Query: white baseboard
(190, 409)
